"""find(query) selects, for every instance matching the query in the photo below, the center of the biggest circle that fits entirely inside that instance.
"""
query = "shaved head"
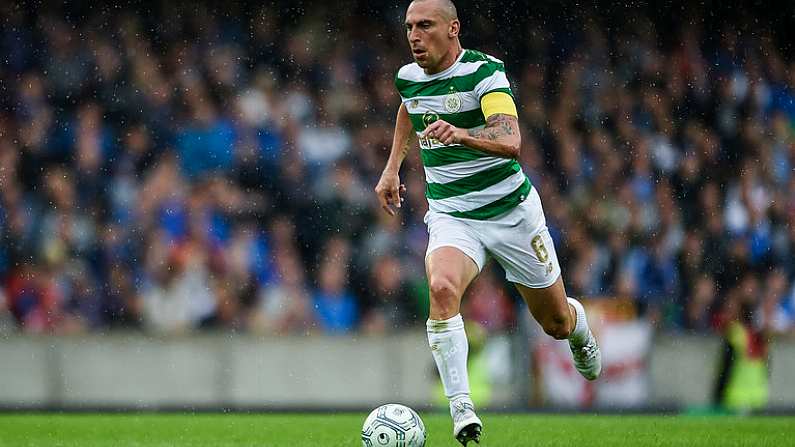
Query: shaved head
(432, 28)
(445, 7)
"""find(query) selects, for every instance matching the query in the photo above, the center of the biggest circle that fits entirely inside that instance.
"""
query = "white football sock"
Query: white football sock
(579, 335)
(449, 347)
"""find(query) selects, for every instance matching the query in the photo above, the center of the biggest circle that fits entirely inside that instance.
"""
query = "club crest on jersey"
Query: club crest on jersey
(452, 102)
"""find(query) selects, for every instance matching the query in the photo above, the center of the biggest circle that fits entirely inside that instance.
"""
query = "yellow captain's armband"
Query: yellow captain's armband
(497, 102)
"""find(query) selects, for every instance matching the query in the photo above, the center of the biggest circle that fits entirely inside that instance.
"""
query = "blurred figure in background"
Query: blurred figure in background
(742, 384)
(336, 309)
(390, 306)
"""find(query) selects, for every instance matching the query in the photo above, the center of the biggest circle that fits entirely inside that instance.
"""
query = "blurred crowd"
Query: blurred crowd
(177, 167)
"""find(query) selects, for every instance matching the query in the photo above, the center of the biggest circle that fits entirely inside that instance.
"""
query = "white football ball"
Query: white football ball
(393, 425)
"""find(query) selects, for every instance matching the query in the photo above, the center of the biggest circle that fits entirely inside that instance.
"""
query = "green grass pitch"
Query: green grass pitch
(331, 430)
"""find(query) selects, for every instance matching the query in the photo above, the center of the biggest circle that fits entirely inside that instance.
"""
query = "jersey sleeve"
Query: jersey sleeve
(494, 81)
(397, 83)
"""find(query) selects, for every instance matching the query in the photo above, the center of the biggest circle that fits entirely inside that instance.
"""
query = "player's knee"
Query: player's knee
(443, 296)
(442, 288)
(558, 327)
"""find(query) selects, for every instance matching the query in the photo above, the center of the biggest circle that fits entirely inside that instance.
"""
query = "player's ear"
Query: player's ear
(455, 27)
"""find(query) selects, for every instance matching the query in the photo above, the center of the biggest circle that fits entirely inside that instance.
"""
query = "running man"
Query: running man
(459, 104)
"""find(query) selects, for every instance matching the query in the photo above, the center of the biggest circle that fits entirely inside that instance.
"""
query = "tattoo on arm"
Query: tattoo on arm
(497, 126)
(406, 146)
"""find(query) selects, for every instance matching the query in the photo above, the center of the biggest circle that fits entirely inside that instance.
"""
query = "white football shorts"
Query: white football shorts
(519, 240)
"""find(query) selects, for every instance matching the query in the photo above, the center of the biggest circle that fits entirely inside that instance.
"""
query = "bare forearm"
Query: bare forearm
(400, 148)
(401, 141)
(500, 137)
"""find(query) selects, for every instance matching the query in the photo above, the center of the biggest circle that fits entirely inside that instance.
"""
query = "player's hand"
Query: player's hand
(445, 132)
(390, 191)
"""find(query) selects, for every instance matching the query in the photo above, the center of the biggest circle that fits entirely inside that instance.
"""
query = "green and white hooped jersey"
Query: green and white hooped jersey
(461, 181)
